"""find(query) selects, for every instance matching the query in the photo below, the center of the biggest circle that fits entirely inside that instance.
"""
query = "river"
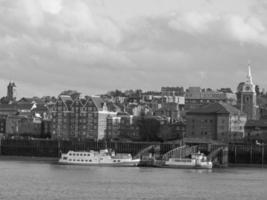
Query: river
(26, 180)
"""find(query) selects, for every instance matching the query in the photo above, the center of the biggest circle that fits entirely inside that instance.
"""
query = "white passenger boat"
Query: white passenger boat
(103, 157)
(197, 160)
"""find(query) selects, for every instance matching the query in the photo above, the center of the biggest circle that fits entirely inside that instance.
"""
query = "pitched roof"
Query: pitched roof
(215, 108)
(98, 101)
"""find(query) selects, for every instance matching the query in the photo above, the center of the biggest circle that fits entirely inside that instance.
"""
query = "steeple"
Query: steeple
(249, 76)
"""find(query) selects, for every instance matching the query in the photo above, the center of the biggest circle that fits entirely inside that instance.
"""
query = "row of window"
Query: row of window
(78, 160)
(79, 154)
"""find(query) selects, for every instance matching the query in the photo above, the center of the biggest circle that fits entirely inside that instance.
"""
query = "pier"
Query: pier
(218, 153)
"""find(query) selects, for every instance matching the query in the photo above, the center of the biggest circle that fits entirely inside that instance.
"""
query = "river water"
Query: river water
(26, 180)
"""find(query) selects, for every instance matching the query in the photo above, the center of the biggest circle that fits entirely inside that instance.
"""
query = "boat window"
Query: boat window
(86, 160)
(90, 160)
(84, 154)
(118, 160)
(70, 154)
(82, 160)
(88, 154)
(81, 154)
(74, 160)
(114, 160)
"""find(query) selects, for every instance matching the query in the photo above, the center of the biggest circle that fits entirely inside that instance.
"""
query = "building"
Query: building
(102, 123)
(113, 127)
(23, 126)
(247, 100)
(170, 110)
(172, 91)
(11, 92)
(129, 128)
(256, 130)
(3, 124)
(196, 97)
(173, 131)
(79, 118)
(216, 121)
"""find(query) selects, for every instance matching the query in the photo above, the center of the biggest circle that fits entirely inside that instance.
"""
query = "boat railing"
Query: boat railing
(185, 160)
(180, 152)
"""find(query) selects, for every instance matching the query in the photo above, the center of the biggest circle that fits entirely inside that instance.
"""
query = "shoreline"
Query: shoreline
(55, 159)
(28, 158)
(247, 165)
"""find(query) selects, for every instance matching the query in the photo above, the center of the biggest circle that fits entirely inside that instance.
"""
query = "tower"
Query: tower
(11, 91)
(248, 99)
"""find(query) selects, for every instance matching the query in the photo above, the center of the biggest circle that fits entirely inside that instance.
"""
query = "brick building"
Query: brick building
(79, 118)
(196, 97)
(216, 121)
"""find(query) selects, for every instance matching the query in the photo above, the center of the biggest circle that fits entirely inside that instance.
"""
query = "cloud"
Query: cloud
(192, 22)
(90, 46)
(249, 29)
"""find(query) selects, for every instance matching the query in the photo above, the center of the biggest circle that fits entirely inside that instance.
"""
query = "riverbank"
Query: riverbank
(28, 158)
(54, 160)
(247, 165)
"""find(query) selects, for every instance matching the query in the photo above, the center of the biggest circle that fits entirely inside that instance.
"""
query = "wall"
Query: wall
(223, 127)
(201, 126)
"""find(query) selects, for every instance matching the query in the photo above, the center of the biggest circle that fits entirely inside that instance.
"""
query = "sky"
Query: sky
(94, 46)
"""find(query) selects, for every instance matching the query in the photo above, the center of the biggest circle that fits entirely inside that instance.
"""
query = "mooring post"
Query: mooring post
(235, 154)
(250, 160)
(262, 156)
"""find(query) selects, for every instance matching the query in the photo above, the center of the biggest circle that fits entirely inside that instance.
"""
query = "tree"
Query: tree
(4, 100)
(72, 93)
(225, 90)
(149, 128)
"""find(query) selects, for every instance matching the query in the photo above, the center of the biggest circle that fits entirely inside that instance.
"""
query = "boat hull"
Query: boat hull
(188, 166)
(133, 163)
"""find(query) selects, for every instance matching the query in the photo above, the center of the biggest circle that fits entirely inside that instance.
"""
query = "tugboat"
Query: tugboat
(197, 160)
(103, 157)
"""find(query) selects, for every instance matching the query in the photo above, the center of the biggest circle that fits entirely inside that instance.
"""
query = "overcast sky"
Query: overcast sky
(93, 46)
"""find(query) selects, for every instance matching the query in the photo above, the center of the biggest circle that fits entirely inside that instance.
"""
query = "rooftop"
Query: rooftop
(215, 108)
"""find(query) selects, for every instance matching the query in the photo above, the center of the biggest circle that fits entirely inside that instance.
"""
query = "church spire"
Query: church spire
(249, 76)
